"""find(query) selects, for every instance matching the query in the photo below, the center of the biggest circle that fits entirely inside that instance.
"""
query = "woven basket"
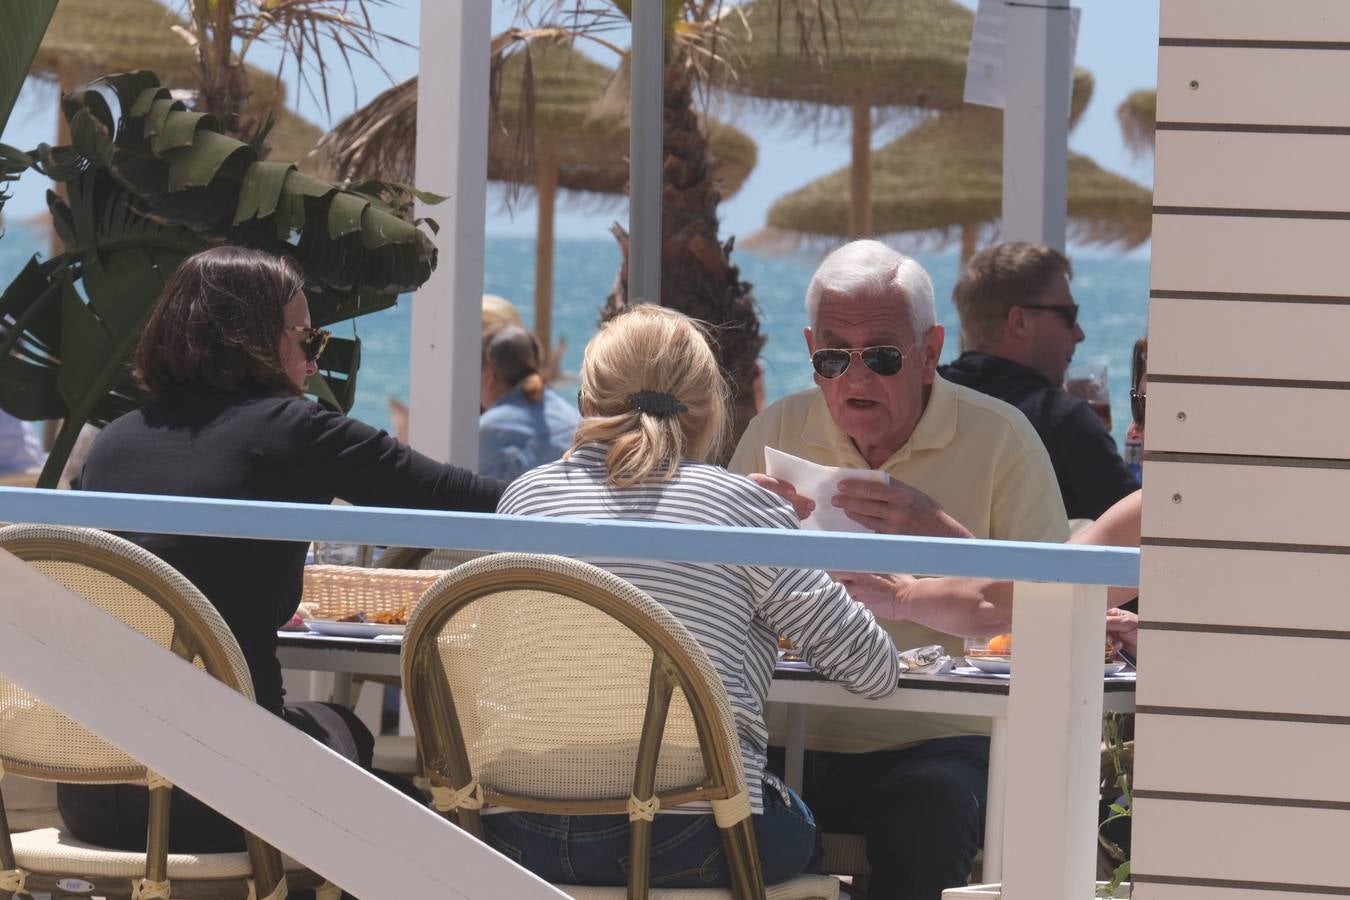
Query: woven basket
(339, 591)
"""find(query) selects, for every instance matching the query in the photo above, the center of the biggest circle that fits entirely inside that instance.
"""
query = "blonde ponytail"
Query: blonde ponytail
(651, 390)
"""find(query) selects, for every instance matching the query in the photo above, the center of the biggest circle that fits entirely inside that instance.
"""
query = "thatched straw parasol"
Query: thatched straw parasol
(946, 176)
(1138, 116)
(91, 38)
(573, 148)
(906, 54)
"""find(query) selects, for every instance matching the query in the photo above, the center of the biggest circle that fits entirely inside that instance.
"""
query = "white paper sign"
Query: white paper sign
(987, 65)
(820, 483)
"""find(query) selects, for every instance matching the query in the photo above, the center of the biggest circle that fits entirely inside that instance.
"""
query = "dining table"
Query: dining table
(960, 692)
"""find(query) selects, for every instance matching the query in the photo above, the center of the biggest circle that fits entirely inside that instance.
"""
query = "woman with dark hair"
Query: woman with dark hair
(225, 356)
(524, 424)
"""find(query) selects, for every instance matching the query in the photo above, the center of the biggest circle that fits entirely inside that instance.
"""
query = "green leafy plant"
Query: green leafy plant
(1121, 754)
(147, 186)
(22, 24)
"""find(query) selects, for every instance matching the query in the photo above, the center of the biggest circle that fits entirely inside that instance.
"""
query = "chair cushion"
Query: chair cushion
(805, 887)
(54, 851)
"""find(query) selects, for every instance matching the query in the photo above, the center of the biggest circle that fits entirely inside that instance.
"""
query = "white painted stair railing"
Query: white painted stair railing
(238, 758)
(358, 833)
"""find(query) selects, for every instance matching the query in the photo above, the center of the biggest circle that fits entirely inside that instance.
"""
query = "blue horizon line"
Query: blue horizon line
(1012, 560)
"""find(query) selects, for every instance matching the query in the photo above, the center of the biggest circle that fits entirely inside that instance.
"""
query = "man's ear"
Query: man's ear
(810, 339)
(1016, 324)
(932, 351)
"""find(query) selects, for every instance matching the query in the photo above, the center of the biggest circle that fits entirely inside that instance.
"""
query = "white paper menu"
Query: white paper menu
(820, 483)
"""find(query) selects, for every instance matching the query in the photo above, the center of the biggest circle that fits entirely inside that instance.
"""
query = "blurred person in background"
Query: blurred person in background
(524, 424)
(1134, 435)
(20, 446)
(1019, 328)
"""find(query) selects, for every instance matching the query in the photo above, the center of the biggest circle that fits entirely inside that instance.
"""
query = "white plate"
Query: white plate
(334, 628)
(1003, 667)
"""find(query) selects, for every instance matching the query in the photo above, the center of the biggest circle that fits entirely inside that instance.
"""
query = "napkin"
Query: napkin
(820, 483)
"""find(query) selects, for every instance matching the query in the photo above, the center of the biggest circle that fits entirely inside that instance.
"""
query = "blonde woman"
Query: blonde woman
(654, 408)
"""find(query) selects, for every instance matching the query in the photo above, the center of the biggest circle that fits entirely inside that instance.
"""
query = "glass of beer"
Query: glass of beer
(1088, 380)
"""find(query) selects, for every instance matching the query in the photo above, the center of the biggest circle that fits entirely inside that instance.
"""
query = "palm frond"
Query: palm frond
(22, 24)
(147, 188)
(304, 30)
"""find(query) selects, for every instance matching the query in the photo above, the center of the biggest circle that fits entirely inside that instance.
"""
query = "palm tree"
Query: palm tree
(91, 38)
(222, 32)
(697, 275)
(576, 147)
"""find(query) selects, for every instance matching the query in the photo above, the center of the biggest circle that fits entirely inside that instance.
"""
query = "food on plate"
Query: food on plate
(1001, 645)
(295, 624)
(397, 617)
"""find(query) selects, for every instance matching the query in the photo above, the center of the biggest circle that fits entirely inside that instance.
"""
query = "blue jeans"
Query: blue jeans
(686, 849)
(921, 810)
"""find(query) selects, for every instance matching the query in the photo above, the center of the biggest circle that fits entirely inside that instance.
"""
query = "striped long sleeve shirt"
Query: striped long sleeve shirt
(735, 612)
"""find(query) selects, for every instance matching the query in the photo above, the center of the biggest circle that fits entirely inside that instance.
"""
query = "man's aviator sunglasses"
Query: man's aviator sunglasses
(315, 339)
(834, 361)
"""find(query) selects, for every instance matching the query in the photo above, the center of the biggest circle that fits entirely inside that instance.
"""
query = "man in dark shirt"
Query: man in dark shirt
(1019, 328)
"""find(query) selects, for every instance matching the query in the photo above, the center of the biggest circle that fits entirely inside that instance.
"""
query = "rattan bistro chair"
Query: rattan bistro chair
(38, 741)
(544, 684)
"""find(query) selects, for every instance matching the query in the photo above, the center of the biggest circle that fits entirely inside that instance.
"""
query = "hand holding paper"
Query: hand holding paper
(895, 508)
(860, 500)
(818, 484)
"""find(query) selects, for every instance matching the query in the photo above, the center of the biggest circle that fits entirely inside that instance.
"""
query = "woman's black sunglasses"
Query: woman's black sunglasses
(315, 339)
(1137, 398)
(834, 361)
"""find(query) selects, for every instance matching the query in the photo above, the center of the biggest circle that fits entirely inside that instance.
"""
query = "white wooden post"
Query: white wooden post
(452, 114)
(646, 150)
(1054, 742)
(1035, 123)
(238, 758)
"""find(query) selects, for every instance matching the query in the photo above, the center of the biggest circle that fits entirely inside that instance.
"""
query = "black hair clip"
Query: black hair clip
(656, 403)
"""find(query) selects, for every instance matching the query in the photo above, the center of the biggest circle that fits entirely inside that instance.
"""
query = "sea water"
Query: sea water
(1112, 291)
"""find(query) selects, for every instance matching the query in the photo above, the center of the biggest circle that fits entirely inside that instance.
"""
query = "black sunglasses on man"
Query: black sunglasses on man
(1066, 311)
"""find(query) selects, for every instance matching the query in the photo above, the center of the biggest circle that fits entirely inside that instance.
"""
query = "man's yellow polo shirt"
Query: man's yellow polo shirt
(977, 456)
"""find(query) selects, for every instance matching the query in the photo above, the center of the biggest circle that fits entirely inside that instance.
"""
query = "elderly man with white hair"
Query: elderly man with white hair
(961, 464)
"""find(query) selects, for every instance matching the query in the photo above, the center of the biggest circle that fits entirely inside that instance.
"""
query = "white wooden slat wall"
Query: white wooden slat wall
(1244, 711)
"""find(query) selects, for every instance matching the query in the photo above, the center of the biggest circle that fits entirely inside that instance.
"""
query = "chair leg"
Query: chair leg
(639, 859)
(747, 879)
(266, 861)
(157, 836)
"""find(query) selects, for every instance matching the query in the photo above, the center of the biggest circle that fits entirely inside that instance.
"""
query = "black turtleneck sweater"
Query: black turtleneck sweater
(1091, 474)
(204, 442)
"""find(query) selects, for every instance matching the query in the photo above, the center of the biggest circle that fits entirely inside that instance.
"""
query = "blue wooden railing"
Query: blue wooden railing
(1015, 560)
